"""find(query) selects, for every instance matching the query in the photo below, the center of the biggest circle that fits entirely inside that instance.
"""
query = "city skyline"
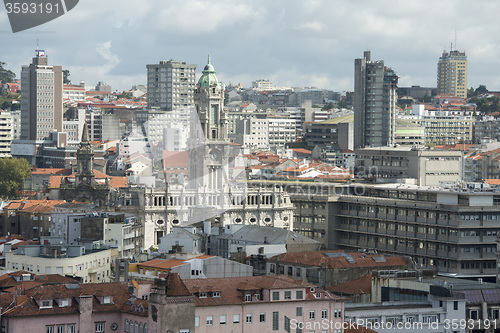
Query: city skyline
(306, 43)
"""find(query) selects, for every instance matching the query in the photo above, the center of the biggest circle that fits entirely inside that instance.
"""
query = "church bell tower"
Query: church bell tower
(209, 151)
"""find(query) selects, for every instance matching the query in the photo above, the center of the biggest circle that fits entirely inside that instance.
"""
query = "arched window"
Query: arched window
(140, 328)
(145, 328)
(126, 325)
(136, 327)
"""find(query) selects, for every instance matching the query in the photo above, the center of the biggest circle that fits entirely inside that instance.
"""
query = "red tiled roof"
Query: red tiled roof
(362, 285)
(100, 177)
(171, 262)
(302, 151)
(232, 289)
(320, 259)
(118, 290)
(27, 205)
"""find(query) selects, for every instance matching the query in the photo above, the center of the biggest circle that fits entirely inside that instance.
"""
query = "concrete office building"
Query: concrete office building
(452, 74)
(171, 85)
(41, 99)
(422, 166)
(374, 103)
(449, 230)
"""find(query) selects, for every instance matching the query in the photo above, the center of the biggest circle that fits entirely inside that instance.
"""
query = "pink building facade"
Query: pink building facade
(264, 304)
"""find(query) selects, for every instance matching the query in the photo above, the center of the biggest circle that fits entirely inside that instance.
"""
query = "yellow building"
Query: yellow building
(452, 74)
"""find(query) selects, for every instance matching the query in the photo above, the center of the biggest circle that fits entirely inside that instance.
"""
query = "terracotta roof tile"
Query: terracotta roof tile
(362, 285)
(232, 290)
(320, 258)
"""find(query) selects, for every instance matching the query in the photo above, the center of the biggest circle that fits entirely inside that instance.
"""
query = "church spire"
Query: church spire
(85, 133)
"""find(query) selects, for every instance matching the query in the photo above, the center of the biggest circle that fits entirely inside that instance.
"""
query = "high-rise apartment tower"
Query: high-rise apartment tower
(374, 101)
(41, 99)
(452, 74)
(171, 85)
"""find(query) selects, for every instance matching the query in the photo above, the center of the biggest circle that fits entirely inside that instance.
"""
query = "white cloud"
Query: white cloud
(297, 42)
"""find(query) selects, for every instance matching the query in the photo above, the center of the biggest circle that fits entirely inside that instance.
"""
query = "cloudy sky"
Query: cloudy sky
(292, 43)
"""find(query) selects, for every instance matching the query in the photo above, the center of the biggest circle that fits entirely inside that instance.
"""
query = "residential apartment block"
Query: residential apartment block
(171, 85)
(451, 230)
(82, 262)
(41, 99)
(452, 73)
(374, 103)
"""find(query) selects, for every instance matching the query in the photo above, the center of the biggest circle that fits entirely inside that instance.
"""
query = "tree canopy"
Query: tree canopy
(66, 75)
(6, 75)
(12, 173)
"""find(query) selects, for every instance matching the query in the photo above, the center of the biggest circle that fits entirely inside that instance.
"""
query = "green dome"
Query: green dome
(208, 77)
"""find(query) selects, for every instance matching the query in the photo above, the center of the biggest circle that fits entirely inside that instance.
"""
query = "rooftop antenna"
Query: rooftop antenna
(456, 38)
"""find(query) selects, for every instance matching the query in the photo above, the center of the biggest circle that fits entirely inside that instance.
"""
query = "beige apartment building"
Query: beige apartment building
(452, 74)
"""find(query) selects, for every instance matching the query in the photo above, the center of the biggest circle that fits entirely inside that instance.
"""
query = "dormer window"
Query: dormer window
(63, 303)
(248, 296)
(203, 295)
(216, 294)
(312, 289)
(107, 300)
(44, 304)
(318, 295)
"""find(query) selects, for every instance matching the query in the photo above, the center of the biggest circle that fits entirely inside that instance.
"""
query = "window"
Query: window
(236, 318)
(46, 304)
(222, 319)
(99, 327)
(324, 314)
(49, 329)
(106, 300)
(216, 294)
(276, 295)
(312, 315)
(248, 296)
(196, 321)
(203, 295)
(276, 322)
(287, 324)
(71, 328)
(64, 303)
(262, 317)
(248, 318)
(455, 305)
(299, 294)
(288, 294)
(298, 311)
(60, 329)
(473, 314)
(210, 320)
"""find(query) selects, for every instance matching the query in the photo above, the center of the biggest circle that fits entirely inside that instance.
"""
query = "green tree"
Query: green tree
(6, 75)
(12, 173)
(480, 90)
(66, 75)
(328, 106)
(470, 92)
(126, 95)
